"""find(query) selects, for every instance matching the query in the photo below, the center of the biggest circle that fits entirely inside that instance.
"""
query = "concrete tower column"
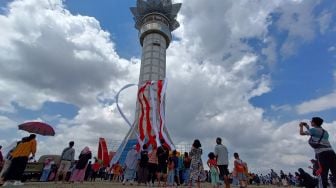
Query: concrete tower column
(153, 60)
(155, 20)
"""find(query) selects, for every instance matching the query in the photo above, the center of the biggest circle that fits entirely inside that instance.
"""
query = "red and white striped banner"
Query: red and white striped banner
(155, 125)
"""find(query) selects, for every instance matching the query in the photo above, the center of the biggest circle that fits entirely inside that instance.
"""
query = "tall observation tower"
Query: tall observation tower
(155, 20)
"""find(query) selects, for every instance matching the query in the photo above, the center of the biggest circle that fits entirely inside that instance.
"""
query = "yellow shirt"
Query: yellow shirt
(25, 149)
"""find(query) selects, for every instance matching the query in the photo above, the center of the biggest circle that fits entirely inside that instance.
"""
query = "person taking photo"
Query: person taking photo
(319, 141)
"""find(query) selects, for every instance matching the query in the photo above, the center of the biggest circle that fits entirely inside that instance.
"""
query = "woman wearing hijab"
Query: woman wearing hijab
(20, 157)
(80, 169)
(131, 163)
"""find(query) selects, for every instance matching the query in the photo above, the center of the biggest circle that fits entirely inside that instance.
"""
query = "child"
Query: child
(109, 173)
(121, 173)
(48, 162)
(171, 172)
(116, 172)
(212, 163)
(95, 168)
(240, 168)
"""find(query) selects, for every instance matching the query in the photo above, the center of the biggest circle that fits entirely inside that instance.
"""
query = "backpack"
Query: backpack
(245, 167)
(240, 167)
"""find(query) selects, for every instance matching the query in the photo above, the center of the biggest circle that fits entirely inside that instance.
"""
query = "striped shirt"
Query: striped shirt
(316, 134)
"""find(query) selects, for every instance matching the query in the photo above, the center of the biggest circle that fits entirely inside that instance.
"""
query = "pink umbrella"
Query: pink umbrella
(38, 128)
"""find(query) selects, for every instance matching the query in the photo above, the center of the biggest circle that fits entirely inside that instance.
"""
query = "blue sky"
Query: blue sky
(302, 76)
(265, 67)
(290, 75)
(114, 17)
(306, 75)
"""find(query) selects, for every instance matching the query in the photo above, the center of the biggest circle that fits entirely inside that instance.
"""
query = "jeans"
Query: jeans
(170, 178)
(45, 174)
(186, 176)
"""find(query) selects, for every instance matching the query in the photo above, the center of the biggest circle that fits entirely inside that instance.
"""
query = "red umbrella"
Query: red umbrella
(38, 128)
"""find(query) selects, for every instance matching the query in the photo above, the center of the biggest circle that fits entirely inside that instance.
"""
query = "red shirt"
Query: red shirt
(212, 162)
(95, 167)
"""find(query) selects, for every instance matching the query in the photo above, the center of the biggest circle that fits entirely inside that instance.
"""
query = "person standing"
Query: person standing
(162, 154)
(95, 168)
(221, 154)
(180, 168)
(214, 171)
(186, 164)
(8, 161)
(143, 166)
(1, 159)
(175, 158)
(319, 141)
(240, 168)
(67, 158)
(88, 171)
(20, 159)
(152, 165)
(131, 163)
(79, 173)
(116, 168)
(171, 172)
(196, 166)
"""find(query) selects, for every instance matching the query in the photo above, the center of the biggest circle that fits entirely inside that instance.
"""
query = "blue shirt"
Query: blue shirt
(176, 161)
(316, 134)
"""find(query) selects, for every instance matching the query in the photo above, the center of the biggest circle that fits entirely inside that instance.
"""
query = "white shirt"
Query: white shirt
(222, 154)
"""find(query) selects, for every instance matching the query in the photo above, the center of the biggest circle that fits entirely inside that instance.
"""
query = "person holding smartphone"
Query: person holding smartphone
(319, 141)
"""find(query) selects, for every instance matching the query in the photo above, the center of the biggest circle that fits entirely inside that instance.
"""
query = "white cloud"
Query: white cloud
(6, 123)
(316, 105)
(85, 129)
(325, 21)
(281, 108)
(52, 55)
(298, 21)
(216, 30)
(331, 48)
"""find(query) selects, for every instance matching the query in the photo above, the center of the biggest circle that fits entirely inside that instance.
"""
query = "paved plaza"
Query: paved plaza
(108, 185)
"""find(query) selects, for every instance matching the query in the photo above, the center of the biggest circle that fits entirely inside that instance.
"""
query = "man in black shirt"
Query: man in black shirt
(162, 154)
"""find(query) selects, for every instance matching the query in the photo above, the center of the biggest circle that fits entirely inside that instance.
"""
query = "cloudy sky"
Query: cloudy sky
(247, 71)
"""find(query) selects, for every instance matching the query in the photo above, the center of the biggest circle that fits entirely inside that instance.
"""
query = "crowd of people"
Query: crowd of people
(154, 165)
